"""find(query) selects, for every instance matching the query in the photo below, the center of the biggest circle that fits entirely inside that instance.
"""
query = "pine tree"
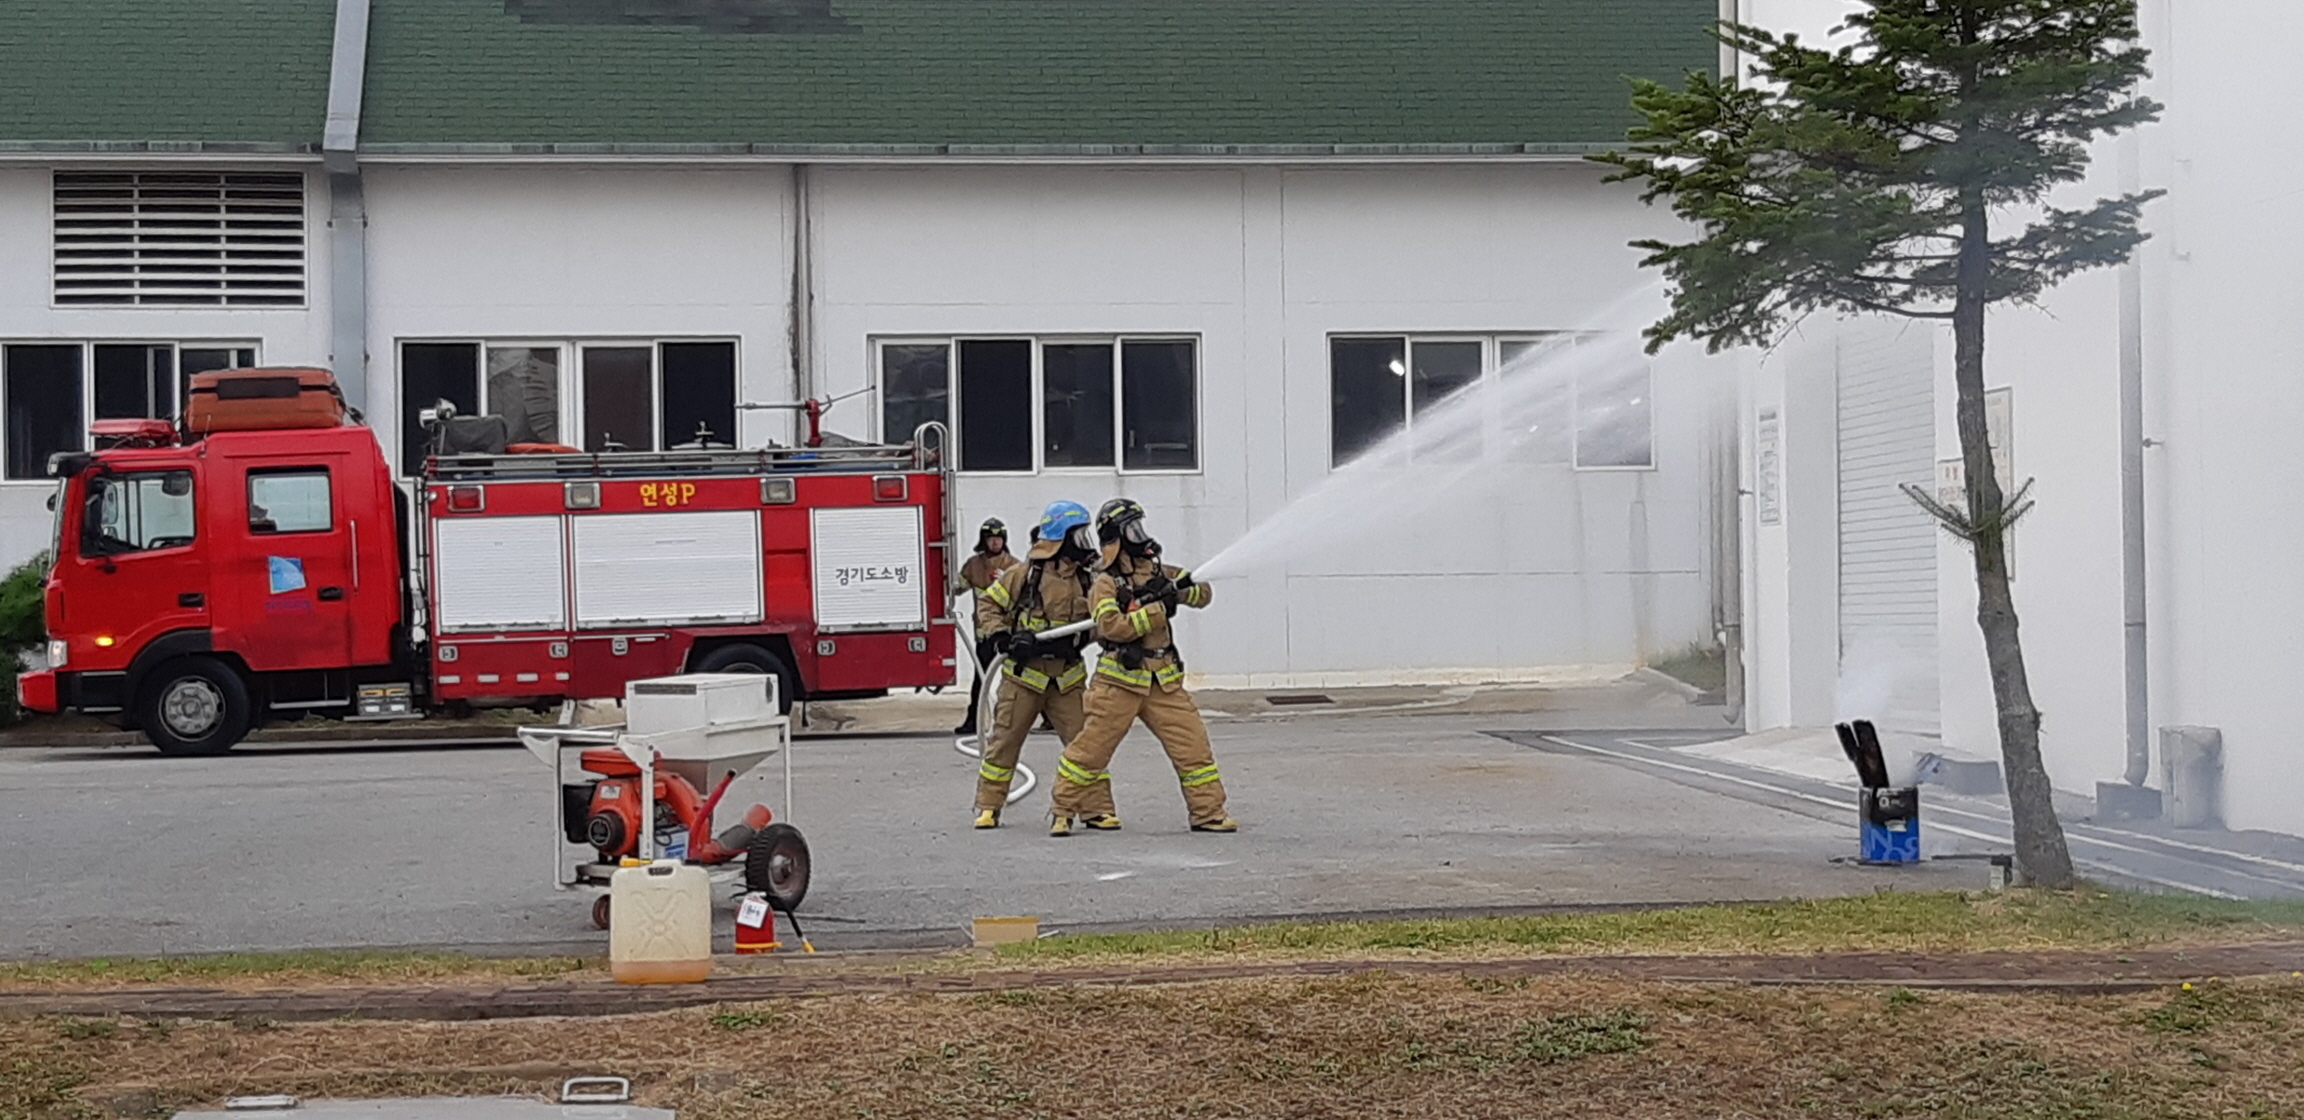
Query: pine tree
(1868, 177)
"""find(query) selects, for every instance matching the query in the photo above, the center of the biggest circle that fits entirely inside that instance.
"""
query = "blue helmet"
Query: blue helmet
(1060, 518)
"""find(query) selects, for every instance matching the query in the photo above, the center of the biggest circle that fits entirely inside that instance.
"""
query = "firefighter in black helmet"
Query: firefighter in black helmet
(1140, 676)
(981, 571)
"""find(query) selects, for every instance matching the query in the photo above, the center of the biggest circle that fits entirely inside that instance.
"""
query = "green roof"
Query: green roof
(854, 74)
(224, 72)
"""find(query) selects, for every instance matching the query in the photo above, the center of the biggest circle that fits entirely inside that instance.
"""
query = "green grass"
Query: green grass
(1915, 921)
(1705, 667)
(313, 965)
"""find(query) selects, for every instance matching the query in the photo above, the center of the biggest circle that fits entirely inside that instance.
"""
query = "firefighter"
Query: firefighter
(1043, 676)
(981, 570)
(1140, 676)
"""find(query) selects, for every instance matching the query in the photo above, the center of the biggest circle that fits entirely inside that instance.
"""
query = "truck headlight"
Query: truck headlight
(59, 651)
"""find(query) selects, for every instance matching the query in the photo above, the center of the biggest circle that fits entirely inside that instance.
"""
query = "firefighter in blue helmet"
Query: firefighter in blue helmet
(1043, 676)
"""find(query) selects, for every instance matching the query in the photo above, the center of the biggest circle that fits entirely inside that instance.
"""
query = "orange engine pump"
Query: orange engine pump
(609, 816)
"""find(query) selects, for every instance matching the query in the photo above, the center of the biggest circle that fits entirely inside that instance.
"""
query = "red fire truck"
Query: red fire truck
(258, 562)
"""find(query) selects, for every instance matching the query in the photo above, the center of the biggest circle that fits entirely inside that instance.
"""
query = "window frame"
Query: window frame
(87, 345)
(1036, 398)
(570, 383)
(91, 521)
(1491, 369)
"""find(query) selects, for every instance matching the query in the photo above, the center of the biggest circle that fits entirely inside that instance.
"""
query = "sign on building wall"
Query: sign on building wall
(1768, 468)
(2000, 428)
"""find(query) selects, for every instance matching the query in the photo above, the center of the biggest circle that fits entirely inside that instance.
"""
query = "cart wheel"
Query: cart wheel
(600, 912)
(776, 864)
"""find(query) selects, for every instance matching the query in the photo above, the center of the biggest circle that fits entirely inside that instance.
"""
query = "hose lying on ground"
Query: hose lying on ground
(988, 703)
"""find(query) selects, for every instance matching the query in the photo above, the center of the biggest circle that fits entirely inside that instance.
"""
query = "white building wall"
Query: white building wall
(28, 313)
(581, 254)
(1263, 265)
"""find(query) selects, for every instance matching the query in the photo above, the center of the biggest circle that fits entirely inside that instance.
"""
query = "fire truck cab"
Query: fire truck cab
(207, 578)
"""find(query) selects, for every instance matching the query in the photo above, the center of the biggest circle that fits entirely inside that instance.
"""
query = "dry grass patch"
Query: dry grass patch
(295, 969)
(1369, 1046)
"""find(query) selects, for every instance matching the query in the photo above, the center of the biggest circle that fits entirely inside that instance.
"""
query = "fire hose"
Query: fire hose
(988, 701)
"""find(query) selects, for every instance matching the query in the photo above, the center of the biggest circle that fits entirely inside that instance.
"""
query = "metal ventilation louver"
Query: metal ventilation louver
(177, 238)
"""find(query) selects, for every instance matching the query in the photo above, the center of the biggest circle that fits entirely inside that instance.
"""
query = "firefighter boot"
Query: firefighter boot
(1101, 822)
(987, 818)
(1060, 825)
(1220, 824)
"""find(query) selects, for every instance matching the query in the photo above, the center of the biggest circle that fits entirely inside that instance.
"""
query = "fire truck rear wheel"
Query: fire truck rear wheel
(194, 706)
(745, 657)
(776, 864)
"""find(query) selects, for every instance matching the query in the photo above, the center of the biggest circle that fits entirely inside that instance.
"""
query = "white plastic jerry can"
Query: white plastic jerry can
(660, 923)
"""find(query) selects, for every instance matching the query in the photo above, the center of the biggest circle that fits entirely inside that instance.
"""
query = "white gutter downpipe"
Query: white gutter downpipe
(803, 329)
(2136, 651)
(347, 204)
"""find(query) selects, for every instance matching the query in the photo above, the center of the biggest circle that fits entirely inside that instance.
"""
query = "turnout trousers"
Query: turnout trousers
(1016, 710)
(1084, 786)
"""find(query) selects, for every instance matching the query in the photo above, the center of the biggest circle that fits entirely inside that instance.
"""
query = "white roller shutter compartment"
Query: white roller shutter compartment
(662, 569)
(499, 573)
(1887, 437)
(868, 573)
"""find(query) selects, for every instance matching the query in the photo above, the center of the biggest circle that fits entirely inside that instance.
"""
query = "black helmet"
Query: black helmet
(992, 527)
(1120, 524)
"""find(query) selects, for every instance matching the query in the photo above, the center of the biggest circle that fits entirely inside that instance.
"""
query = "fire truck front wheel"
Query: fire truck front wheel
(193, 706)
(744, 657)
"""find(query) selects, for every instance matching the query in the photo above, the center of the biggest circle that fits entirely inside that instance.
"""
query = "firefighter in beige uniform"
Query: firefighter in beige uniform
(1139, 676)
(991, 559)
(1041, 676)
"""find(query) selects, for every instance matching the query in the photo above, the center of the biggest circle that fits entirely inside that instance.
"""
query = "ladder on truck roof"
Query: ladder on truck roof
(922, 453)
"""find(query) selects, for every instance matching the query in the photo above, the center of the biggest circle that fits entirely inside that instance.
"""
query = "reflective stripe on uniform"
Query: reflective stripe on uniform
(1199, 775)
(1073, 675)
(1028, 676)
(998, 593)
(1141, 619)
(1106, 608)
(1074, 772)
(1196, 595)
(1107, 667)
(991, 773)
(1168, 674)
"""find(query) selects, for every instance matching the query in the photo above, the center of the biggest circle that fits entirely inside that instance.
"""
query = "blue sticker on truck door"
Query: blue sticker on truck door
(287, 573)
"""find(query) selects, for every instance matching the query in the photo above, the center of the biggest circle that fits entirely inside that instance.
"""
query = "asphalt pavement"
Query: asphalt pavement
(118, 851)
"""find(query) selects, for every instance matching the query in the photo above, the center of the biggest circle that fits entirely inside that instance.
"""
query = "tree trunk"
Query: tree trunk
(2041, 857)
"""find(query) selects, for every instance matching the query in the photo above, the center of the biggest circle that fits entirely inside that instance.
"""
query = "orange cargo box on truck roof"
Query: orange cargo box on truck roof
(244, 400)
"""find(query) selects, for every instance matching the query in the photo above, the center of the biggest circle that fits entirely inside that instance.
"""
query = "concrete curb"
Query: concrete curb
(2064, 973)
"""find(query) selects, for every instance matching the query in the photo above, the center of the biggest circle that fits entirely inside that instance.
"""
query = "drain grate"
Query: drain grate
(1298, 699)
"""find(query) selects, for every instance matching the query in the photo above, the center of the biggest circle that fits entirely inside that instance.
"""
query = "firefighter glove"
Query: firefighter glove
(1023, 645)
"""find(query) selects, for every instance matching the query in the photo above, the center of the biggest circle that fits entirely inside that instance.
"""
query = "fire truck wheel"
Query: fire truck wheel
(194, 706)
(776, 864)
(747, 658)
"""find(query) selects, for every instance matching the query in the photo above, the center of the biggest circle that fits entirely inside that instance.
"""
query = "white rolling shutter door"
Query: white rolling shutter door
(868, 569)
(1887, 437)
(666, 569)
(499, 573)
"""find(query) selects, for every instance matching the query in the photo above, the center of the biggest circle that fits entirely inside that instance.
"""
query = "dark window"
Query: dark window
(1437, 371)
(136, 512)
(915, 388)
(289, 501)
(1614, 415)
(619, 398)
(1076, 404)
(1160, 405)
(431, 372)
(1366, 401)
(41, 385)
(699, 393)
(524, 389)
(996, 405)
(135, 381)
